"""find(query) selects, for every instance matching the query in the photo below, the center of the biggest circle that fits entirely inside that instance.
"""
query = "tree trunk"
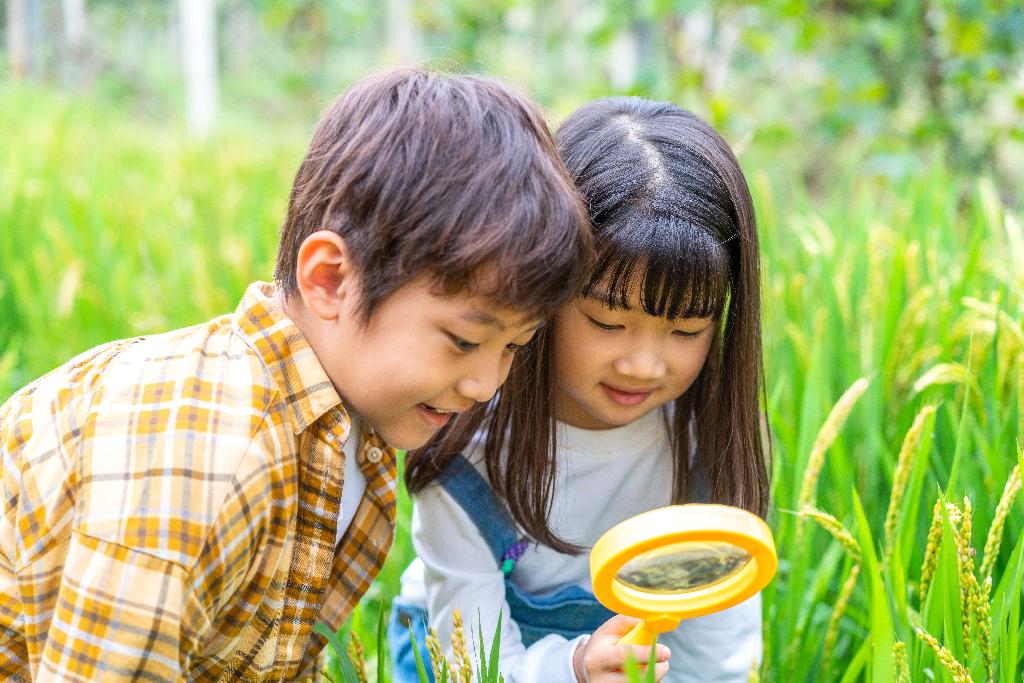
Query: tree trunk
(74, 52)
(73, 13)
(199, 63)
(17, 38)
(727, 28)
(403, 43)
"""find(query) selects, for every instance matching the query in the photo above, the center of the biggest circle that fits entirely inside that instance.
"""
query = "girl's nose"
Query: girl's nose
(641, 365)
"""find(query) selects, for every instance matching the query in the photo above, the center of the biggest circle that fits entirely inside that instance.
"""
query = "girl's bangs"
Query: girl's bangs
(679, 270)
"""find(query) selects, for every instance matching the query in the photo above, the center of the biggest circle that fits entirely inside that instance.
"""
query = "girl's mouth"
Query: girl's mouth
(625, 398)
(435, 417)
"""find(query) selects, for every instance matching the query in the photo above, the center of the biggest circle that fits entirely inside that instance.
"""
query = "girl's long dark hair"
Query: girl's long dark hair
(672, 216)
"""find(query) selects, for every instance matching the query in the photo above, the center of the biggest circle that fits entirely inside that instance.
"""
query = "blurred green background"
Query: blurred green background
(147, 149)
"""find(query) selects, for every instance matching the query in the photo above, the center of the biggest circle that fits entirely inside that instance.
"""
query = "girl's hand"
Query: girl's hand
(602, 660)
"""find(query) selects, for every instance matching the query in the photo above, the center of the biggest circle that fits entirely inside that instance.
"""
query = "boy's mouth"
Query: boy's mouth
(435, 417)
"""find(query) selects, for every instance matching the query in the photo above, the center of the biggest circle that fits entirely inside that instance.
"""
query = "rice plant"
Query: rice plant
(894, 338)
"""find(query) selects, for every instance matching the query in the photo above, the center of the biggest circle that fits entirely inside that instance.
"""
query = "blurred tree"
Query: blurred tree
(403, 39)
(885, 81)
(199, 64)
(18, 55)
(75, 54)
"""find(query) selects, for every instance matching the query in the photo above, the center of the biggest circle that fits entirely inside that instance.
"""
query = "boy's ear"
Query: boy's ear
(325, 274)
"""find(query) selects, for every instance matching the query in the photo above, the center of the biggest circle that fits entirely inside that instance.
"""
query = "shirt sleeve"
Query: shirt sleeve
(717, 648)
(119, 615)
(460, 572)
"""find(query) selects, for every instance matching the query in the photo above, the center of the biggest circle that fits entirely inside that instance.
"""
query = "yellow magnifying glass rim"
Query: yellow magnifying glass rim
(662, 610)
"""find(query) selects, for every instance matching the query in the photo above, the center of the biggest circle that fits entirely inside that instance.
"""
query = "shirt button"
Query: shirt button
(374, 455)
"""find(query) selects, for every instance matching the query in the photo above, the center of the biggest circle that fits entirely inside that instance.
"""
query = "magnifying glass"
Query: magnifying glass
(678, 562)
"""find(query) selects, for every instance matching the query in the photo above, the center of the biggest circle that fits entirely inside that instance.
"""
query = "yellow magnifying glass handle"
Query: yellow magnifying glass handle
(647, 630)
(639, 635)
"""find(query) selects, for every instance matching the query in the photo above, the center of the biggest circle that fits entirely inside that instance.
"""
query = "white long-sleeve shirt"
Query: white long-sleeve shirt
(603, 477)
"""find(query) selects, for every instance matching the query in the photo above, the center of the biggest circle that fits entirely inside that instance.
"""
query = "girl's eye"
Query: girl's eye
(512, 347)
(602, 326)
(463, 345)
(684, 333)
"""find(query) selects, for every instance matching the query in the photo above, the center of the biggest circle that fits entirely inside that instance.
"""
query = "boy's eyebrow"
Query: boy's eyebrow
(482, 317)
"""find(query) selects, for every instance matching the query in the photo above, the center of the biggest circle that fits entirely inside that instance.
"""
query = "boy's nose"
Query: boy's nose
(482, 385)
(641, 365)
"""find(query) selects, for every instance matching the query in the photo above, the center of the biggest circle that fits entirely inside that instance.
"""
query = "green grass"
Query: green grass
(110, 228)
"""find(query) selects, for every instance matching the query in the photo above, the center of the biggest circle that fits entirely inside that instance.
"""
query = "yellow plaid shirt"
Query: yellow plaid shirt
(170, 505)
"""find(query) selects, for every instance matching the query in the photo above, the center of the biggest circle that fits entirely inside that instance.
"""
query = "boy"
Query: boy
(186, 506)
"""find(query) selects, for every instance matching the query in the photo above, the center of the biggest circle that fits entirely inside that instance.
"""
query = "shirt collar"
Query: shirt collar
(307, 391)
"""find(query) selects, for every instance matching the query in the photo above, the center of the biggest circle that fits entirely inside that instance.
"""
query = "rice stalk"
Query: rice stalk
(915, 311)
(995, 532)
(899, 656)
(844, 599)
(1015, 238)
(942, 373)
(834, 527)
(826, 435)
(904, 465)
(463, 663)
(931, 551)
(983, 615)
(965, 564)
(357, 655)
(907, 369)
(955, 668)
(991, 311)
(438, 662)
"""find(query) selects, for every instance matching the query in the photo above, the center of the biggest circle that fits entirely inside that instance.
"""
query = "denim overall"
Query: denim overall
(567, 611)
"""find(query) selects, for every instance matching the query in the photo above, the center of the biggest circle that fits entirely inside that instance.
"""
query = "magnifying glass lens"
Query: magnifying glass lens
(683, 567)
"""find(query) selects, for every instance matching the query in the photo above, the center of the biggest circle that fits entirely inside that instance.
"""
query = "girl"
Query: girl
(643, 392)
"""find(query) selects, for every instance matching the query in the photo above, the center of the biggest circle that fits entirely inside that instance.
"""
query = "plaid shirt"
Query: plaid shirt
(170, 505)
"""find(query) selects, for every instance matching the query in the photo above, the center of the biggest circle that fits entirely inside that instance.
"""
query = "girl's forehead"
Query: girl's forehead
(631, 299)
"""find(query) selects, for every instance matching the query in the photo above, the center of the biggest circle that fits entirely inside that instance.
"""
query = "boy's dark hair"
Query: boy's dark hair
(672, 219)
(454, 177)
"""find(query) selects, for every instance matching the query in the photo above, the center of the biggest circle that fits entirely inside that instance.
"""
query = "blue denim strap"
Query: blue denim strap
(569, 611)
(405, 618)
(475, 495)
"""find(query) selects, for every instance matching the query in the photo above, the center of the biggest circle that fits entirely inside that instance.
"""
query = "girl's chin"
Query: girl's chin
(607, 419)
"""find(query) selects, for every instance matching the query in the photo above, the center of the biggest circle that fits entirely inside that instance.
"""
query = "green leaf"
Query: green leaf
(856, 666)
(339, 642)
(381, 643)
(908, 519)
(881, 633)
(962, 428)
(492, 663)
(948, 580)
(1006, 626)
(632, 669)
(421, 671)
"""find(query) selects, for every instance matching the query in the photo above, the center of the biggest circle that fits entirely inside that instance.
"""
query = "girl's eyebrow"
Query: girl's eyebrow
(603, 296)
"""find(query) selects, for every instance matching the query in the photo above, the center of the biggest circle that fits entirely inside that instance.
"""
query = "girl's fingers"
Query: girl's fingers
(660, 670)
(619, 625)
(642, 652)
(613, 659)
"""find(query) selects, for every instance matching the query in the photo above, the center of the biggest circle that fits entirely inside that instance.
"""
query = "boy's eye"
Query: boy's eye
(462, 344)
(603, 326)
